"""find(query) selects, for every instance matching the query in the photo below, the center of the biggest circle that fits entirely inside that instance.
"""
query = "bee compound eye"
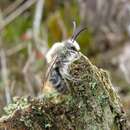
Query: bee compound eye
(72, 48)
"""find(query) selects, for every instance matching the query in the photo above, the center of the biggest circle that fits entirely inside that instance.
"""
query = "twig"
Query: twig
(5, 76)
(15, 49)
(62, 27)
(37, 18)
(12, 86)
(12, 7)
(26, 69)
(124, 69)
(40, 44)
(29, 61)
(1, 18)
(16, 13)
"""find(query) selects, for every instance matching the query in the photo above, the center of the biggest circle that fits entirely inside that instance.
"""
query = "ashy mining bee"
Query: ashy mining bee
(58, 58)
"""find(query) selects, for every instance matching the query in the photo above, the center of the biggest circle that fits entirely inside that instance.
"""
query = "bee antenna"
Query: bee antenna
(77, 32)
(74, 26)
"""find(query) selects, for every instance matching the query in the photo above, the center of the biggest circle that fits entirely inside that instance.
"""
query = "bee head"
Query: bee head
(71, 43)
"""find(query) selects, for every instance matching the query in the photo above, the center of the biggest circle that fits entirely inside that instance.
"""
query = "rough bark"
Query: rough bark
(90, 104)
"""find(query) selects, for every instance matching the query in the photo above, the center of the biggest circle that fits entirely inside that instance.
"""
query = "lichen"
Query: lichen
(18, 103)
(91, 104)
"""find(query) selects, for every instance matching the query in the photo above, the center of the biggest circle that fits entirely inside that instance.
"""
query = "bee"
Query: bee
(58, 58)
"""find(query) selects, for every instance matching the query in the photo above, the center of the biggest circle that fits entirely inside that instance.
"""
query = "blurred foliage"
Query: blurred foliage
(14, 30)
(54, 29)
(54, 11)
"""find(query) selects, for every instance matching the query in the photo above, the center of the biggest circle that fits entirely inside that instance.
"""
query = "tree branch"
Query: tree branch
(16, 13)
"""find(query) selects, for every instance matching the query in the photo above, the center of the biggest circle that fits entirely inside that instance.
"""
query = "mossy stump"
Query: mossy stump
(90, 104)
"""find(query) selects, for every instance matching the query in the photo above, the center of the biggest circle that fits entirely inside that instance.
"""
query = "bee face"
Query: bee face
(72, 45)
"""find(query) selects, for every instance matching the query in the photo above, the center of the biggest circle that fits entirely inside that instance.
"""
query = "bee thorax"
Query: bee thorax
(55, 49)
(58, 47)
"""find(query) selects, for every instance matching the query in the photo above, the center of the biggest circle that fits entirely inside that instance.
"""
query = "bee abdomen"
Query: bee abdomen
(57, 82)
(55, 78)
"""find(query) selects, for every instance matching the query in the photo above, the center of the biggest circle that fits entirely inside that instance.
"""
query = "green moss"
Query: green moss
(27, 121)
(16, 105)
(88, 105)
(103, 100)
(47, 126)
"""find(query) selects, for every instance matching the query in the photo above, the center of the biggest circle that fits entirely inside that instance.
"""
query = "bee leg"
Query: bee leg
(63, 87)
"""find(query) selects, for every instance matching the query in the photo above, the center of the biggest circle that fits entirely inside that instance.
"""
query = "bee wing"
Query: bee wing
(49, 69)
